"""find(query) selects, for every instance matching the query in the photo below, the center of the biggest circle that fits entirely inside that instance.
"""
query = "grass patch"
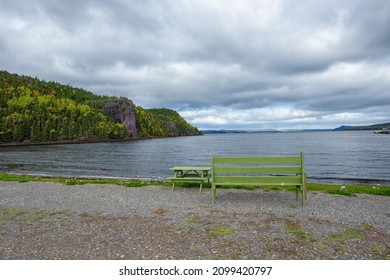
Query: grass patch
(28, 216)
(378, 249)
(296, 230)
(342, 190)
(17, 178)
(7, 214)
(63, 212)
(124, 183)
(347, 190)
(74, 181)
(347, 235)
(13, 212)
(221, 231)
(350, 190)
(194, 220)
(352, 233)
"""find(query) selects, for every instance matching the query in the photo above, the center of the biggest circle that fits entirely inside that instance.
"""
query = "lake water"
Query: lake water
(330, 157)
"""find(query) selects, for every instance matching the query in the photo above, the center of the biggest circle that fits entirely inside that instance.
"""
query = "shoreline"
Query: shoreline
(312, 180)
(91, 141)
(350, 190)
(62, 142)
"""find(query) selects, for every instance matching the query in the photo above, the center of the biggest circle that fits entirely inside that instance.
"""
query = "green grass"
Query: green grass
(296, 230)
(194, 220)
(221, 231)
(348, 190)
(13, 212)
(125, 183)
(72, 181)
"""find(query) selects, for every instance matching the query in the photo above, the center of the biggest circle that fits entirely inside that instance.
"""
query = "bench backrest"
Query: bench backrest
(278, 170)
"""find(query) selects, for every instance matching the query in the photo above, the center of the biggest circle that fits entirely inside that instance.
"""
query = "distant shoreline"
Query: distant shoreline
(234, 131)
(61, 142)
(91, 141)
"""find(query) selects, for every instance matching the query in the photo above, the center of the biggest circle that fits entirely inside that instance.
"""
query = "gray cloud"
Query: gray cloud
(251, 64)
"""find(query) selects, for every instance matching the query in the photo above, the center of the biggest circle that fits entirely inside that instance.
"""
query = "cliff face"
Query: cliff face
(148, 123)
(123, 111)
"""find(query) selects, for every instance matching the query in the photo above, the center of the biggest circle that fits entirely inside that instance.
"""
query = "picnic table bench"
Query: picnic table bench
(259, 171)
(190, 174)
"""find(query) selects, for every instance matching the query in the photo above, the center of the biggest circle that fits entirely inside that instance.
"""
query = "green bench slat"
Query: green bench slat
(257, 180)
(257, 160)
(257, 170)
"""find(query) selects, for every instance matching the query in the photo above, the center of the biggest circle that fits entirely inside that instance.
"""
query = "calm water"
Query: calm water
(331, 157)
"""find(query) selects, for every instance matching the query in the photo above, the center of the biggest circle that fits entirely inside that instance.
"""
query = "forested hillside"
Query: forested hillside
(32, 110)
(162, 122)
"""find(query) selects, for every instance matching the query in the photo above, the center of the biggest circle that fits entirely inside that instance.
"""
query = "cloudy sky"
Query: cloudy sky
(241, 64)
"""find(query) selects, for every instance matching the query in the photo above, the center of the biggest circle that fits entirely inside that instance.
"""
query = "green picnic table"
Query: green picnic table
(190, 174)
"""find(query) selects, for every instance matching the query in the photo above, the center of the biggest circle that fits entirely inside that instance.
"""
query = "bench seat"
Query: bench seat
(188, 179)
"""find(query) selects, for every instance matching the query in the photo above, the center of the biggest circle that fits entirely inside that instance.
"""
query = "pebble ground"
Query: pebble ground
(40, 220)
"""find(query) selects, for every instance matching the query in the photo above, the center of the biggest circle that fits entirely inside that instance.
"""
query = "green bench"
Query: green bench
(259, 171)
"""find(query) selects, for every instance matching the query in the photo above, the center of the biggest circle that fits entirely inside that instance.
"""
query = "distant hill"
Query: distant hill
(224, 131)
(368, 127)
(33, 110)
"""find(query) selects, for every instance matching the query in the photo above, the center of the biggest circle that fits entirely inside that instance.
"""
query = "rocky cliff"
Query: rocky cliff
(144, 123)
(122, 111)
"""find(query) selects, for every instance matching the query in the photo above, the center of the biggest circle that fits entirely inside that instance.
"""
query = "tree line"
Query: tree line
(35, 110)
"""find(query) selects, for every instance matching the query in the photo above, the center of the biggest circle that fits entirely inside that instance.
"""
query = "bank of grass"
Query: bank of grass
(348, 190)
(73, 181)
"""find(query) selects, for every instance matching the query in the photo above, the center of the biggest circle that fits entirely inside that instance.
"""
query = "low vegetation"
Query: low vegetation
(72, 181)
(348, 190)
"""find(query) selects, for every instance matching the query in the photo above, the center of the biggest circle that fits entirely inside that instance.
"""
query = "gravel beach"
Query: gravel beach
(53, 221)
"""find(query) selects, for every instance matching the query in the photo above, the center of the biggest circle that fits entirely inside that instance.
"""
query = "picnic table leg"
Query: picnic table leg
(178, 174)
(204, 173)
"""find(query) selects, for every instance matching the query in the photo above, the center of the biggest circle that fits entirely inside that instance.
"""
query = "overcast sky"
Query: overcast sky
(222, 64)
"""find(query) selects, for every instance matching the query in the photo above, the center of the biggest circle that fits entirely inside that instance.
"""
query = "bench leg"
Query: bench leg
(305, 186)
(201, 185)
(302, 190)
(173, 186)
(213, 193)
